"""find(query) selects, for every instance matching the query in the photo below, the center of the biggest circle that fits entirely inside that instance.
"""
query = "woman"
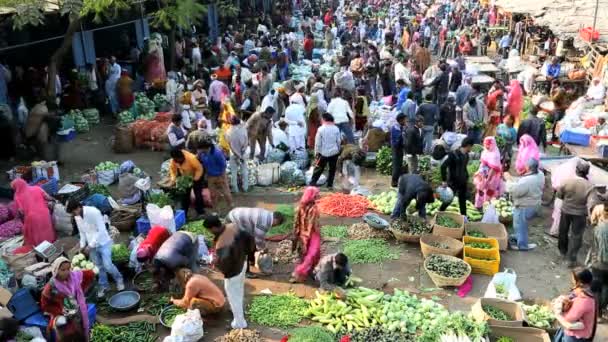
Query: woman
(515, 101)
(361, 111)
(313, 117)
(509, 135)
(225, 124)
(488, 179)
(124, 87)
(64, 300)
(32, 206)
(527, 150)
(598, 255)
(129, 194)
(576, 312)
(199, 293)
(307, 235)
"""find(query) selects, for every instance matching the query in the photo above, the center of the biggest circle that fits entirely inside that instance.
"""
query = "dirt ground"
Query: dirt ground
(540, 272)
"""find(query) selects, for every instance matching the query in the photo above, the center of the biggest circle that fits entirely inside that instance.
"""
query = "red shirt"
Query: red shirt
(156, 236)
(309, 44)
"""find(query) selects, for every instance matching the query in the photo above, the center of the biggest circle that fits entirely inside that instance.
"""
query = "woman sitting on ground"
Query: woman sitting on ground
(199, 293)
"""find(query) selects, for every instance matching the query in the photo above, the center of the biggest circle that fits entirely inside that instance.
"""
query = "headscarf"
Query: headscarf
(515, 100)
(127, 166)
(491, 155)
(309, 196)
(27, 197)
(72, 287)
(527, 150)
(57, 264)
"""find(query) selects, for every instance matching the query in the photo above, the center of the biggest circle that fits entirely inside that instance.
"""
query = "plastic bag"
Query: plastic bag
(203, 251)
(446, 195)
(490, 215)
(507, 281)
(133, 246)
(235, 290)
(556, 216)
(161, 216)
(263, 261)
(187, 327)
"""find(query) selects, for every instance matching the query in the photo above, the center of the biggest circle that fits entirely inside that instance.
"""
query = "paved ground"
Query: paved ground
(540, 273)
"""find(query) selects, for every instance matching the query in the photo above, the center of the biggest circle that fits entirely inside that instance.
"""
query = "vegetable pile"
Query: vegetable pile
(337, 232)
(241, 335)
(338, 204)
(370, 251)
(168, 315)
(504, 207)
(379, 334)
(91, 115)
(481, 245)
(476, 233)
(80, 262)
(160, 198)
(120, 253)
(411, 225)
(363, 231)
(283, 254)
(183, 184)
(501, 290)
(99, 189)
(80, 123)
(106, 166)
(311, 334)
(280, 311)
(439, 245)
(156, 303)
(505, 339)
(160, 100)
(384, 202)
(125, 117)
(384, 164)
(447, 267)
(539, 316)
(496, 313)
(400, 312)
(132, 332)
(473, 214)
(447, 222)
(143, 280)
(288, 212)
(145, 107)
(196, 227)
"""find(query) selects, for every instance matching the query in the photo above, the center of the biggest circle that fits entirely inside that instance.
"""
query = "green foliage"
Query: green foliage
(227, 9)
(178, 13)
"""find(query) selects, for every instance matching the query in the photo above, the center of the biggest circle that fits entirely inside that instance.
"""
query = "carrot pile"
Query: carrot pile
(343, 205)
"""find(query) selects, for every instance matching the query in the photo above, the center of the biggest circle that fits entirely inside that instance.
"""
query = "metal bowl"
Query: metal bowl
(161, 316)
(375, 221)
(124, 301)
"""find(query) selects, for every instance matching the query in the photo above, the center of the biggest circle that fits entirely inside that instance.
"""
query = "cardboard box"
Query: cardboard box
(5, 296)
(512, 309)
(519, 334)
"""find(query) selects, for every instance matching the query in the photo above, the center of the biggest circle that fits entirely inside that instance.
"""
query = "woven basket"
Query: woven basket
(405, 237)
(124, 218)
(455, 246)
(442, 281)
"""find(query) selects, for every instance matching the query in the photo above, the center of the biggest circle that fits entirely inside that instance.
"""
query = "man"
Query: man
(413, 143)
(464, 92)
(534, 127)
(113, 76)
(95, 240)
(447, 115)
(594, 96)
(295, 118)
(232, 246)
(402, 72)
(474, 115)
(553, 69)
(259, 130)
(573, 193)
(342, 116)
(257, 222)
(455, 79)
(601, 128)
(455, 175)
(403, 91)
(214, 162)
(505, 45)
(429, 113)
(526, 193)
(178, 251)
(412, 187)
(238, 142)
(176, 133)
(184, 163)
(397, 147)
(332, 271)
(409, 107)
(327, 149)
(199, 293)
(484, 41)
(351, 158)
(441, 85)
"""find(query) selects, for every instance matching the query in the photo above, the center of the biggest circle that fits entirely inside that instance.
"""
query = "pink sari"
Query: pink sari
(515, 101)
(37, 225)
(73, 288)
(488, 179)
(527, 150)
(306, 230)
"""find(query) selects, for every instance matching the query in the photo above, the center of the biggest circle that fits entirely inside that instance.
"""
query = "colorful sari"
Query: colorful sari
(307, 234)
(225, 118)
(527, 150)
(37, 224)
(488, 179)
(515, 101)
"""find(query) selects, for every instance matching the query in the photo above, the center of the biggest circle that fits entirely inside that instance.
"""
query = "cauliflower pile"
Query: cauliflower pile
(80, 262)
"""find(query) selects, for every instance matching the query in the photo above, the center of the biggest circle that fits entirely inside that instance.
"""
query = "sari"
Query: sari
(307, 234)
(37, 224)
(226, 114)
(515, 101)
(488, 179)
(527, 150)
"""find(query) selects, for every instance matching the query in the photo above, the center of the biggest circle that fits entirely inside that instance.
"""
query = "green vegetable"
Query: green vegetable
(99, 189)
(183, 184)
(385, 201)
(380, 334)
(280, 311)
(155, 304)
(132, 332)
(501, 290)
(412, 225)
(106, 166)
(496, 313)
(476, 233)
(481, 245)
(288, 212)
(447, 222)
(143, 280)
(505, 339)
(160, 198)
(477, 148)
(311, 334)
(125, 117)
(338, 232)
(160, 100)
(384, 163)
(539, 316)
(120, 253)
(168, 315)
(198, 228)
(447, 267)
(439, 245)
(370, 251)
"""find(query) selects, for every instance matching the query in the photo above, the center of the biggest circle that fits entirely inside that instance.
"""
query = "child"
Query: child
(507, 133)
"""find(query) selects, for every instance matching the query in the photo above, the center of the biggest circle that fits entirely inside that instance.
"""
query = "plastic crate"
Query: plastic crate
(50, 187)
(42, 321)
(66, 137)
(575, 138)
(589, 34)
(487, 267)
(22, 304)
(469, 239)
(143, 224)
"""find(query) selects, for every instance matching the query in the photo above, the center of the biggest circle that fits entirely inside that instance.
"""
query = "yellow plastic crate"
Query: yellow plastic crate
(487, 267)
(469, 239)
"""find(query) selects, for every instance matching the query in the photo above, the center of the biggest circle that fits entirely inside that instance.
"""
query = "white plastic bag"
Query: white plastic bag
(62, 221)
(507, 280)
(163, 217)
(188, 327)
(490, 215)
(556, 216)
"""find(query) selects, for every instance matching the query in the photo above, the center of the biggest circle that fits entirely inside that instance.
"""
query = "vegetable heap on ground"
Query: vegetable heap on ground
(311, 334)
(337, 232)
(473, 214)
(384, 162)
(411, 225)
(496, 313)
(169, 314)
(289, 213)
(384, 202)
(99, 189)
(196, 227)
(363, 231)
(504, 207)
(145, 107)
(125, 117)
(106, 166)
(380, 334)
(447, 221)
(539, 316)
(280, 311)
(155, 303)
(80, 262)
(132, 332)
(338, 204)
(447, 267)
(241, 335)
(120, 253)
(370, 251)
(403, 312)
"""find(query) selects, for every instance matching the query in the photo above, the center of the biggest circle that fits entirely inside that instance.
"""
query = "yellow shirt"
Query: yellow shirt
(190, 167)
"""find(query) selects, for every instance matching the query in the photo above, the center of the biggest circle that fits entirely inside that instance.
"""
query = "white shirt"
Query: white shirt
(173, 141)
(297, 99)
(596, 92)
(92, 228)
(328, 140)
(402, 73)
(187, 116)
(339, 109)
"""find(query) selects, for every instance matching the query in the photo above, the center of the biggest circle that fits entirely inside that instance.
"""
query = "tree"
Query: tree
(170, 14)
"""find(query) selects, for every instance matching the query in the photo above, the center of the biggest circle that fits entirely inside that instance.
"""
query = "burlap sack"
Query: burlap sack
(123, 139)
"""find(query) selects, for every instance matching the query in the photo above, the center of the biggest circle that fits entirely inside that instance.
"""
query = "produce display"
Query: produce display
(125, 117)
(384, 202)
(473, 214)
(447, 222)
(447, 267)
(400, 312)
(155, 304)
(80, 123)
(283, 254)
(476, 148)
(168, 315)
(132, 332)
(143, 280)
(183, 184)
(501, 290)
(160, 198)
(120, 253)
(481, 245)
(241, 335)
(338, 204)
(91, 115)
(384, 164)
(505, 339)
(99, 189)
(472, 168)
(311, 334)
(352, 281)
(145, 107)
(370, 251)
(338, 232)
(380, 334)
(106, 166)
(539, 316)
(500, 141)
(363, 231)
(411, 225)
(281, 311)
(504, 207)
(160, 100)
(288, 212)
(196, 227)
(439, 245)
(424, 163)
(80, 262)
(476, 233)
(496, 313)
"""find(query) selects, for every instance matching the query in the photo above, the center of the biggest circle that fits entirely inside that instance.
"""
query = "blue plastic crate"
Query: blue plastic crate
(51, 187)
(575, 138)
(22, 304)
(143, 224)
(67, 137)
(42, 321)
